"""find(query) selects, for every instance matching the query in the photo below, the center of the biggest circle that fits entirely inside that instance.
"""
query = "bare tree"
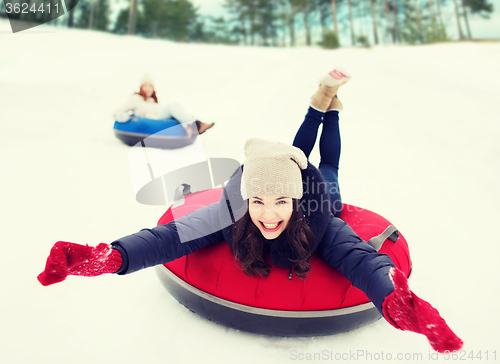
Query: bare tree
(351, 22)
(306, 12)
(388, 22)
(250, 4)
(91, 13)
(295, 7)
(132, 17)
(239, 8)
(396, 23)
(440, 16)
(432, 16)
(243, 27)
(71, 14)
(466, 19)
(334, 18)
(460, 32)
(374, 22)
(418, 20)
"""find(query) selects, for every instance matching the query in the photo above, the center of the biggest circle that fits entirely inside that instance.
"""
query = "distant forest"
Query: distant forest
(273, 23)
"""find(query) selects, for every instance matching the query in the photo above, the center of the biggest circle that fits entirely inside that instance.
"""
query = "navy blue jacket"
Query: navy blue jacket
(336, 242)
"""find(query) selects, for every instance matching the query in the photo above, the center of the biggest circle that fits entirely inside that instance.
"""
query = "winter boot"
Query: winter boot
(335, 104)
(203, 127)
(325, 98)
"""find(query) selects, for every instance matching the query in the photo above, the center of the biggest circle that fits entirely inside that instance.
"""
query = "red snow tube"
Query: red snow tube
(210, 283)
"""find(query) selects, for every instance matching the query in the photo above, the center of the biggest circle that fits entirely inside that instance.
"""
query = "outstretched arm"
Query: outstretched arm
(387, 287)
(405, 311)
(164, 243)
(358, 261)
(146, 248)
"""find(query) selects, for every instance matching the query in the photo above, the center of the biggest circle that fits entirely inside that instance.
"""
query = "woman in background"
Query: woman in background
(145, 104)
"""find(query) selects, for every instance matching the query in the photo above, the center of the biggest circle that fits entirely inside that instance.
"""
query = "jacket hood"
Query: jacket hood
(315, 204)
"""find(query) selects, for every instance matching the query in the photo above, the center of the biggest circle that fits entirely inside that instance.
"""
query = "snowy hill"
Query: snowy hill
(420, 146)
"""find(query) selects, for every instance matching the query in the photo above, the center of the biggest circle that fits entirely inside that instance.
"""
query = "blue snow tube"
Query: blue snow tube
(156, 133)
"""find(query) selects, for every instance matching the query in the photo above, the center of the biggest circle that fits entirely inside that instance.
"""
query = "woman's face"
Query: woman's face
(148, 89)
(270, 213)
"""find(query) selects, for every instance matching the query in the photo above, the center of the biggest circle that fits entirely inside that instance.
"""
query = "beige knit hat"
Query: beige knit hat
(146, 78)
(272, 168)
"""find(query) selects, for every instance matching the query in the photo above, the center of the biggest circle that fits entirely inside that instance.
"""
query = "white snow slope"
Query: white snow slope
(420, 146)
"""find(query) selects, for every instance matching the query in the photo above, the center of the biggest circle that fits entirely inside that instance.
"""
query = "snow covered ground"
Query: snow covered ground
(420, 146)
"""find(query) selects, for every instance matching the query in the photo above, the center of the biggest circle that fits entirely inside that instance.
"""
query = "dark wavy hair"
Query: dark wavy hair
(146, 97)
(250, 248)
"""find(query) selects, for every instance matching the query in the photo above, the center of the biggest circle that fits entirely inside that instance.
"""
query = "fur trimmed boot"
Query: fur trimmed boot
(335, 104)
(325, 98)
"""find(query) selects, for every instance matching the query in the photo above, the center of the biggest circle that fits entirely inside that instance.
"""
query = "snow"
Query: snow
(420, 146)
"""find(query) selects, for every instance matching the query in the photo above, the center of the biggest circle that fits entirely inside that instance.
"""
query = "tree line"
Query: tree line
(277, 22)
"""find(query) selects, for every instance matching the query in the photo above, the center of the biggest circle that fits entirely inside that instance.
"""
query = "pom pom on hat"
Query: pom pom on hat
(272, 168)
(146, 78)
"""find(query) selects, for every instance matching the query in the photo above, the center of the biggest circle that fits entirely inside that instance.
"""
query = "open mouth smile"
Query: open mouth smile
(270, 227)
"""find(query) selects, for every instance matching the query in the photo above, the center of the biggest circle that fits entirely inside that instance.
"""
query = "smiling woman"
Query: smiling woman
(271, 214)
(267, 218)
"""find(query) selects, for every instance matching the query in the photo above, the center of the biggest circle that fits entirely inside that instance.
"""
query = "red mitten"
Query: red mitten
(80, 260)
(405, 311)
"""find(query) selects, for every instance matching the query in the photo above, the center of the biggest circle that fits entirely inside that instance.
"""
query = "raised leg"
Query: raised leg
(308, 131)
(329, 148)
(324, 109)
(177, 112)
